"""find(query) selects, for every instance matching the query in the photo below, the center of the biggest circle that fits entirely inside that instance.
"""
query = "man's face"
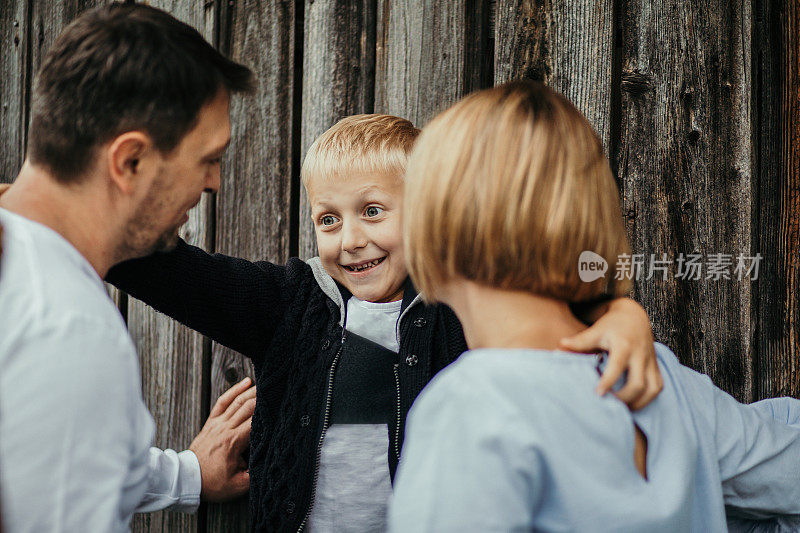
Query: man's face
(183, 175)
(357, 224)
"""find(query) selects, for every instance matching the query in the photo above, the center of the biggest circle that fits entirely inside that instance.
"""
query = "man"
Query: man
(129, 122)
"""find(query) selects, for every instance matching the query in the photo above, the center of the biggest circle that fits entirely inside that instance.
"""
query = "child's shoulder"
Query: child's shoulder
(511, 378)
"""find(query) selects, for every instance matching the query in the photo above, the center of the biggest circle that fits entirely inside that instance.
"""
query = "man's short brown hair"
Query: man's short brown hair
(118, 68)
(506, 189)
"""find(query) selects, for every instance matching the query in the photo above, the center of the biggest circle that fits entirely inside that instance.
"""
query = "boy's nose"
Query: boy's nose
(353, 237)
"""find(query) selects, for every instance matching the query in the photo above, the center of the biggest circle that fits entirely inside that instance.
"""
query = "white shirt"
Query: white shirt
(75, 434)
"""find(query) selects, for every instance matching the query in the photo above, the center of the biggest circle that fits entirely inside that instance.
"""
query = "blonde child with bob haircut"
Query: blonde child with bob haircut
(341, 343)
(504, 192)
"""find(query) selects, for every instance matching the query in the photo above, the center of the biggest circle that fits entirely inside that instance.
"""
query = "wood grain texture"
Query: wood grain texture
(338, 78)
(424, 59)
(14, 77)
(47, 21)
(685, 166)
(776, 66)
(172, 356)
(44, 22)
(253, 205)
(567, 45)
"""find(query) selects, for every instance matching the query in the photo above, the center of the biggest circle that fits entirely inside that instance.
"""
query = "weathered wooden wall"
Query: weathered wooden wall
(697, 103)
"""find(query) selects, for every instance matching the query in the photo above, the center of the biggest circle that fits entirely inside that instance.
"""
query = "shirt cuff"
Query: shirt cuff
(191, 480)
(174, 482)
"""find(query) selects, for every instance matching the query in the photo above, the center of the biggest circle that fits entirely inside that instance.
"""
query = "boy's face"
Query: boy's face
(357, 224)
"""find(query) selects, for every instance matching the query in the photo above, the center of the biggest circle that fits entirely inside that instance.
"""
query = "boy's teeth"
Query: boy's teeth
(364, 266)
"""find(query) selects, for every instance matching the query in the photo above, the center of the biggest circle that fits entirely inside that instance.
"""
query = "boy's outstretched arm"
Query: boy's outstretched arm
(235, 302)
(621, 327)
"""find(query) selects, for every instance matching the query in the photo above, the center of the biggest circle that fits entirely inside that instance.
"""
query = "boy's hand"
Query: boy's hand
(221, 442)
(624, 332)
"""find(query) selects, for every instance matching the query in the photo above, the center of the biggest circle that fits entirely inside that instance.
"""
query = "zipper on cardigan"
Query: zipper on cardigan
(324, 430)
(397, 422)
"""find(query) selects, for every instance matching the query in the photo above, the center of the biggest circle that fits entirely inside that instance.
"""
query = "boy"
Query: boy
(341, 344)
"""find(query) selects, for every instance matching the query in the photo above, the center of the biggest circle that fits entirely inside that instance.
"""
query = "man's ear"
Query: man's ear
(129, 158)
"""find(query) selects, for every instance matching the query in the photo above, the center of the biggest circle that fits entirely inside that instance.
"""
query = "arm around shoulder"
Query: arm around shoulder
(231, 300)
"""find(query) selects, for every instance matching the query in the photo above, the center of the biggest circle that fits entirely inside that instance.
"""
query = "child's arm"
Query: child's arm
(785, 410)
(757, 446)
(235, 302)
(621, 327)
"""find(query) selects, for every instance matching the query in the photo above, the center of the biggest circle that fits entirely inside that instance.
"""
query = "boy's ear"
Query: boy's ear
(130, 160)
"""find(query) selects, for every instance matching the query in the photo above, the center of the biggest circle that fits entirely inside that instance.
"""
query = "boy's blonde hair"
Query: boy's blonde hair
(506, 189)
(361, 144)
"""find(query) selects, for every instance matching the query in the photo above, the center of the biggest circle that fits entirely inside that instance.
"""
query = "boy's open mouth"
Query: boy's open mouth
(366, 265)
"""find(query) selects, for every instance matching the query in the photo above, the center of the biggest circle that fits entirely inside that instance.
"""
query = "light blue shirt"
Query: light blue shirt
(517, 440)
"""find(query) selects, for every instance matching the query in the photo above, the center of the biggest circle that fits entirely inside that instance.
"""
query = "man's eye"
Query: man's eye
(216, 161)
(328, 220)
(373, 211)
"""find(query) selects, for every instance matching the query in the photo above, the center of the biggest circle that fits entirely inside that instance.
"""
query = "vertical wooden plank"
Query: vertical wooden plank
(253, 206)
(425, 59)
(171, 355)
(338, 77)
(14, 77)
(48, 19)
(567, 45)
(776, 80)
(685, 165)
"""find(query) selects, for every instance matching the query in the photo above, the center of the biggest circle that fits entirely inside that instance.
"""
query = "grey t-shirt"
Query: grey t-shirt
(354, 485)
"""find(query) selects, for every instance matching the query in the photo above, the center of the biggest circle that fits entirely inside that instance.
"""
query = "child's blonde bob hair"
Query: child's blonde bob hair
(360, 144)
(506, 189)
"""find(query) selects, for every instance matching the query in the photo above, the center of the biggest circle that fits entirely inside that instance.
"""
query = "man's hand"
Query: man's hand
(219, 445)
(624, 332)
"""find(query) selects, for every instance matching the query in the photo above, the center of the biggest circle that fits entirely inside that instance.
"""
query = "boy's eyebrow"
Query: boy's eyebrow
(371, 188)
(321, 206)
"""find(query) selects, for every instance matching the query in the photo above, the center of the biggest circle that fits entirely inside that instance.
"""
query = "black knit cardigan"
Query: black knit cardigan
(281, 319)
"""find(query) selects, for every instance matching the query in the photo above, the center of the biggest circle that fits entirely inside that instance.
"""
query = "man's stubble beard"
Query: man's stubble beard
(139, 240)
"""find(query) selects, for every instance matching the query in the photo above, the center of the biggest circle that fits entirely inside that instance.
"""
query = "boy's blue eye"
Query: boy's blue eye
(373, 211)
(328, 220)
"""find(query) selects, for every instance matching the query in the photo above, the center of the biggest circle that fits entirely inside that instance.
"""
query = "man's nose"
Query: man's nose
(213, 181)
(353, 236)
